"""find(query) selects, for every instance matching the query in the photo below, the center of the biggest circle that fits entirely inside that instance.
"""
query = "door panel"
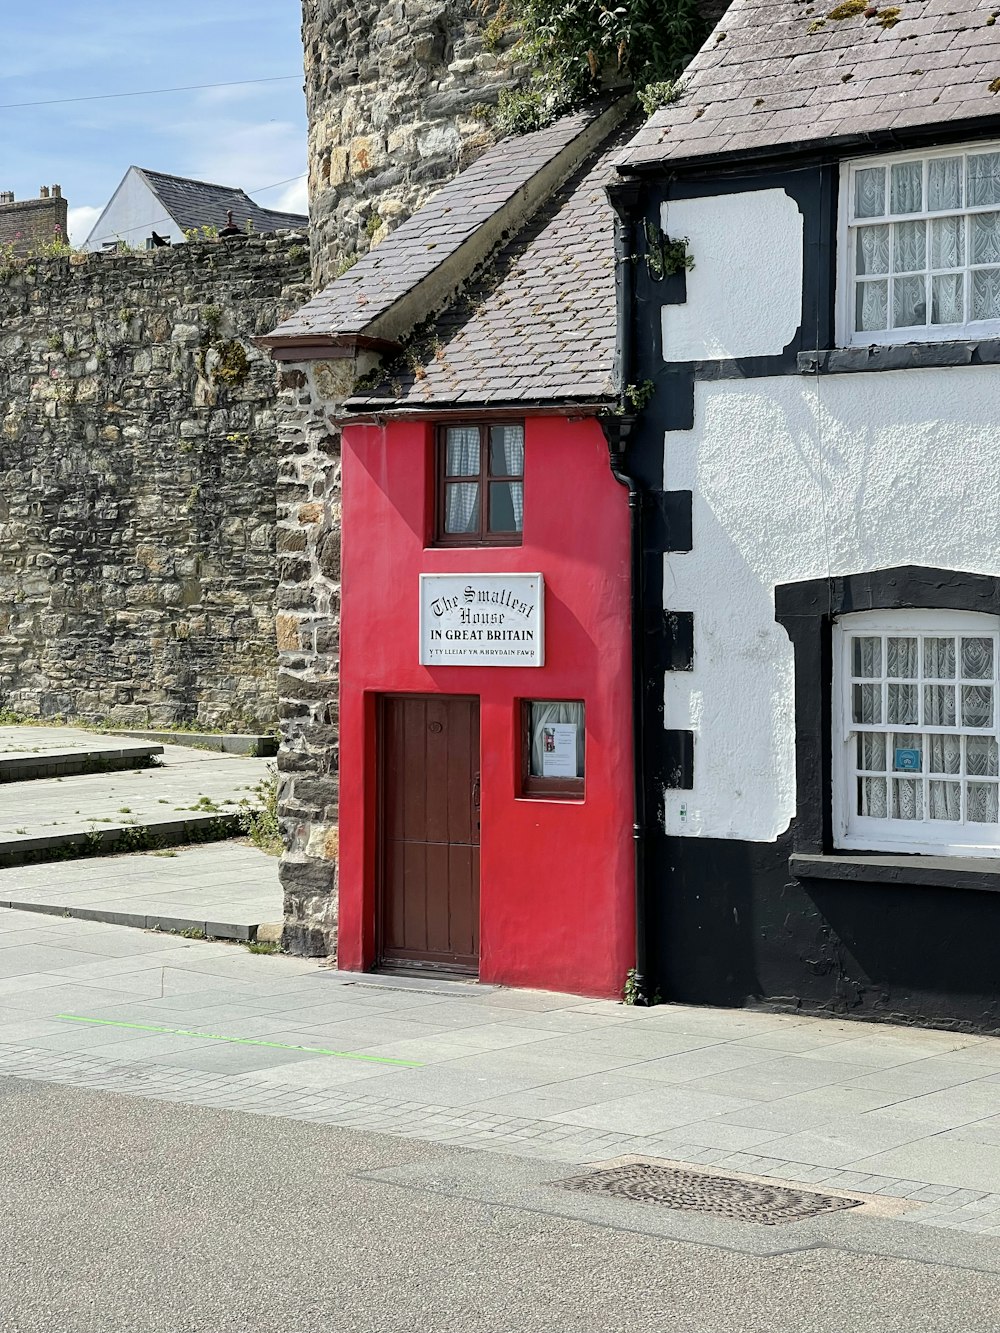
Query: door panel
(429, 909)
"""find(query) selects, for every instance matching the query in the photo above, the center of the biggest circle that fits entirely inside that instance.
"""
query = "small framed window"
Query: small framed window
(480, 485)
(920, 246)
(553, 748)
(916, 753)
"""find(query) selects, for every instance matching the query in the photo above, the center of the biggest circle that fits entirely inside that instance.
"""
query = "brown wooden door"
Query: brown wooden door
(430, 833)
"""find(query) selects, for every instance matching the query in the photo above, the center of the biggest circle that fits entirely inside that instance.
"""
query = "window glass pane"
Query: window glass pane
(871, 798)
(872, 310)
(947, 242)
(944, 183)
(983, 170)
(977, 706)
(948, 299)
(906, 185)
(873, 249)
(506, 506)
(907, 798)
(981, 756)
(945, 800)
(867, 703)
(869, 192)
(556, 740)
(977, 659)
(462, 451)
(461, 507)
(981, 802)
(908, 246)
(909, 302)
(901, 658)
(507, 451)
(985, 236)
(986, 293)
(907, 752)
(939, 658)
(944, 754)
(868, 658)
(902, 705)
(871, 751)
(939, 705)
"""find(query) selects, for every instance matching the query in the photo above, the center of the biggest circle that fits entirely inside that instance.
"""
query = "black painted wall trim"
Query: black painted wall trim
(905, 356)
(679, 755)
(807, 611)
(679, 635)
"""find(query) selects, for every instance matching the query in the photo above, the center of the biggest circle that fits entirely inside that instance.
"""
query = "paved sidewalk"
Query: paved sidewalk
(909, 1114)
(224, 889)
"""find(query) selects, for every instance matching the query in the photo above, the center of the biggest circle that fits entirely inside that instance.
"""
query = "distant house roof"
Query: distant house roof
(199, 204)
(782, 75)
(536, 325)
(419, 269)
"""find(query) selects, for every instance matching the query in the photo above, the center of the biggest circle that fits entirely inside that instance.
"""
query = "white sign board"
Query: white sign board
(482, 620)
(559, 750)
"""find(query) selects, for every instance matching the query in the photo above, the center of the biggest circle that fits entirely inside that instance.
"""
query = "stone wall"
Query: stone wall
(308, 633)
(391, 87)
(138, 459)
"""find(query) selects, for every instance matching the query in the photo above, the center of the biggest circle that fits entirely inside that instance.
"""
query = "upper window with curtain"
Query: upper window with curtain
(920, 247)
(916, 747)
(480, 485)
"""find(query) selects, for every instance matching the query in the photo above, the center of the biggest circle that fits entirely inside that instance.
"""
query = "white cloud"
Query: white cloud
(293, 200)
(80, 222)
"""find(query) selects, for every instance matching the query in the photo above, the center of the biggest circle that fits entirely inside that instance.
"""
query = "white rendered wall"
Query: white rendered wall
(744, 293)
(132, 214)
(798, 477)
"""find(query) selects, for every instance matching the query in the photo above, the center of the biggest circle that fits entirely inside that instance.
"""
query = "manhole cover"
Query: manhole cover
(696, 1192)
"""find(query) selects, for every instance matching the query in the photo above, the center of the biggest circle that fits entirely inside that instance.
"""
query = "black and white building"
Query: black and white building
(821, 458)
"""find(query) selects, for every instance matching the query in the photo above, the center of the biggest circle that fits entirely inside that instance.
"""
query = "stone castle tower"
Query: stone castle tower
(392, 92)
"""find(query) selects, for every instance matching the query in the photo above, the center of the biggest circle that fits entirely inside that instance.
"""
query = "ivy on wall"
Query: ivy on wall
(579, 48)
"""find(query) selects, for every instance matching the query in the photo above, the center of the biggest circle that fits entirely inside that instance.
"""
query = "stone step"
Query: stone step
(193, 796)
(28, 753)
(256, 746)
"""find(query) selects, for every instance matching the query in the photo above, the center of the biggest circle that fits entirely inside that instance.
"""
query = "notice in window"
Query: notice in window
(559, 750)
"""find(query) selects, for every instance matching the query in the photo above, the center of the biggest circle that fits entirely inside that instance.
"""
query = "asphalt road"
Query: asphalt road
(119, 1215)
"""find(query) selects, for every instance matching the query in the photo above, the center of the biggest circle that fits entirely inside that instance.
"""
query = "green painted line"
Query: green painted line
(241, 1041)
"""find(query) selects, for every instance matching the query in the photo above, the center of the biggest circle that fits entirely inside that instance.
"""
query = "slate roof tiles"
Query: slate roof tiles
(781, 74)
(424, 241)
(537, 325)
(200, 204)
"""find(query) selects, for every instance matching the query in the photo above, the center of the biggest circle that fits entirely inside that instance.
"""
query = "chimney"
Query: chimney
(43, 193)
(6, 196)
(57, 192)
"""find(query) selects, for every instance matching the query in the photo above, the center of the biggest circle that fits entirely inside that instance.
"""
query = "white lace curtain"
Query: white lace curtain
(543, 715)
(462, 499)
(507, 459)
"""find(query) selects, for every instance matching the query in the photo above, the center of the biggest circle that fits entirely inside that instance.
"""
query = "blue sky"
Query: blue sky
(250, 136)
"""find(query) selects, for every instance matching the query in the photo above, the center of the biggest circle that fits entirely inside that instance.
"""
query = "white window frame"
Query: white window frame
(847, 335)
(936, 837)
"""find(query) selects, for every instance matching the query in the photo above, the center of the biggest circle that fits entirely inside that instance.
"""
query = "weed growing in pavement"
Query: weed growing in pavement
(262, 946)
(193, 933)
(259, 819)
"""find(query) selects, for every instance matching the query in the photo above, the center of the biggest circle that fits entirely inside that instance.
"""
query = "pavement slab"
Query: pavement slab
(892, 1112)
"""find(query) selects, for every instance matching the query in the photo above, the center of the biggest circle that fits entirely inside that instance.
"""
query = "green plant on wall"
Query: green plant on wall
(577, 49)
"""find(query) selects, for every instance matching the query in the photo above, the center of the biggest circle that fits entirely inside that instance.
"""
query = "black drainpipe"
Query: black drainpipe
(617, 429)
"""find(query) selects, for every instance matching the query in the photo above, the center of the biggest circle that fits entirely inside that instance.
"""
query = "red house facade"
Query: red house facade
(485, 692)
(486, 824)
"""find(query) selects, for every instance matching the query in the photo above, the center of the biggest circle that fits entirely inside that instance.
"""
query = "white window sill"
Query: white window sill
(980, 873)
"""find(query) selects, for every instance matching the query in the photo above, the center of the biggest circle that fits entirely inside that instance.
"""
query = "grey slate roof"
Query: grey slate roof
(538, 323)
(785, 74)
(424, 242)
(200, 204)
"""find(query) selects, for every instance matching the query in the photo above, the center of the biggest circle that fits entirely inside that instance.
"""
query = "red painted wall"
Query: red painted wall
(556, 893)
